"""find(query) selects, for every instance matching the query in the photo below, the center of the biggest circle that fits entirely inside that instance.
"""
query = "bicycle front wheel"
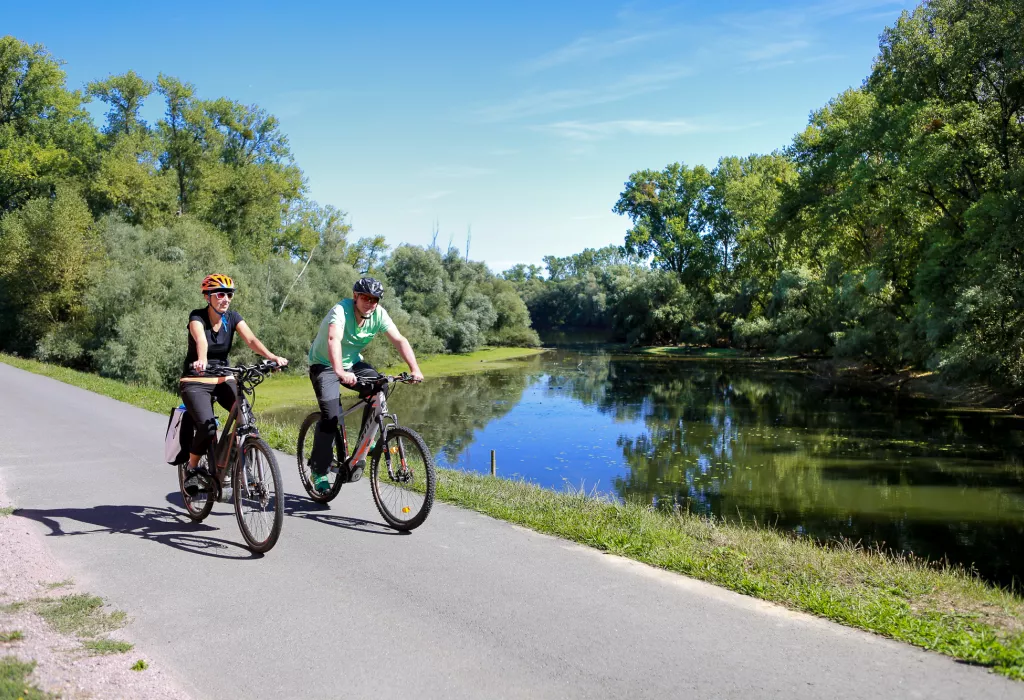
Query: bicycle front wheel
(402, 479)
(259, 495)
(304, 453)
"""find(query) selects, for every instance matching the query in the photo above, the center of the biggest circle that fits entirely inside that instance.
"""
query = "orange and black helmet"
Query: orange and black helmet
(217, 282)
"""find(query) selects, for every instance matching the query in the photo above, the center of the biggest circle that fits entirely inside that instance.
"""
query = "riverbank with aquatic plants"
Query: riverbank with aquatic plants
(937, 607)
(906, 383)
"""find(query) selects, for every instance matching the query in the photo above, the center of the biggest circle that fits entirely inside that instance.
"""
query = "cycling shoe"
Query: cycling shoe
(196, 480)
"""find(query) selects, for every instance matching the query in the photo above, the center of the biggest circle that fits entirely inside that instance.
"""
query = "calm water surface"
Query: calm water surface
(740, 442)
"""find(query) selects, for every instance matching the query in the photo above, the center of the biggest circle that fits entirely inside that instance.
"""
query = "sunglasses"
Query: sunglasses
(222, 295)
(371, 299)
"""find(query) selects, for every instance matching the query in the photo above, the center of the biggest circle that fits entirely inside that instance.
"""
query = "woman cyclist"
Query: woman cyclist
(210, 333)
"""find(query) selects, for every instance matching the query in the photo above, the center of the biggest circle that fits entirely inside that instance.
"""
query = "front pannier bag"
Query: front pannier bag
(178, 437)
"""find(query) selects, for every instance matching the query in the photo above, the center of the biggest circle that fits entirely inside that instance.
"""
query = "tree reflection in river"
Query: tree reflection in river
(742, 441)
(773, 447)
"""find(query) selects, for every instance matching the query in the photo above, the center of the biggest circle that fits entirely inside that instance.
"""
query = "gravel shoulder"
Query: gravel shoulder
(64, 667)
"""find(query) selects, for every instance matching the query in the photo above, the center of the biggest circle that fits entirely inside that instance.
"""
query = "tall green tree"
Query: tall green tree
(668, 209)
(46, 135)
(124, 94)
(49, 257)
(185, 131)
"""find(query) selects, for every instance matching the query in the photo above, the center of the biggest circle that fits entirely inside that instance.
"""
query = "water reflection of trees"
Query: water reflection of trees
(447, 411)
(752, 444)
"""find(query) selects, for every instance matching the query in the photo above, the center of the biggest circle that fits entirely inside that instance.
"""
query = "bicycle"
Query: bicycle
(243, 469)
(404, 490)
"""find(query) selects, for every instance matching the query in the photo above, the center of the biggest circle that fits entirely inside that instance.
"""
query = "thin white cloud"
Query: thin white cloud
(532, 104)
(596, 131)
(775, 49)
(456, 171)
(591, 48)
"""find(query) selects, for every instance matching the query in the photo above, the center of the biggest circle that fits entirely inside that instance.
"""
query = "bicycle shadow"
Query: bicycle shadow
(162, 525)
(299, 507)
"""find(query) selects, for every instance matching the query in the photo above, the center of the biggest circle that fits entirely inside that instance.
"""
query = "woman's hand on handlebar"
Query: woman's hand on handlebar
(199, 366)
(416, 377)
(281, 361)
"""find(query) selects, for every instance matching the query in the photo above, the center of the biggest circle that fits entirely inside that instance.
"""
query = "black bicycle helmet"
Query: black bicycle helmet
(369, 285)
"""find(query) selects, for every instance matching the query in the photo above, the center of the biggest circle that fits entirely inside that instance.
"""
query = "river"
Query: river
(742, 442)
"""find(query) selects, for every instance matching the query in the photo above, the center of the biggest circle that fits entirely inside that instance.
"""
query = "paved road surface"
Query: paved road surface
(464, 607)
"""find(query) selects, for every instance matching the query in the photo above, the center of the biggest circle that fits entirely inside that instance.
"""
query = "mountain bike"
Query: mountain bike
(402, 473)
(242, 466)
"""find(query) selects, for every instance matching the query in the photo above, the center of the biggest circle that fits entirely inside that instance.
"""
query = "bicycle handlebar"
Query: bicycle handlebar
(262, 368)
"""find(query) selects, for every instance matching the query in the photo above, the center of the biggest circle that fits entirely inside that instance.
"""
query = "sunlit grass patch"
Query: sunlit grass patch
(292, 388)
(7, 510)
(14, 680)
(107, 646)
(59, 584)
(81, 615)
(13, 636)
(139, 665)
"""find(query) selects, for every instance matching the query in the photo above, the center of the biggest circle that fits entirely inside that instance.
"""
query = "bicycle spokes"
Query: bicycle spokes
(403, 479)
(256, 496)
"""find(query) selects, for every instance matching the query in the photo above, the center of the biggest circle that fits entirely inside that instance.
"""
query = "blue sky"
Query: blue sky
(519, 121)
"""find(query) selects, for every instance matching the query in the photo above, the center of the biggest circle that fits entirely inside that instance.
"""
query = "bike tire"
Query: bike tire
(303, 449)
(196, 507)
(395, 497)
(256, 480)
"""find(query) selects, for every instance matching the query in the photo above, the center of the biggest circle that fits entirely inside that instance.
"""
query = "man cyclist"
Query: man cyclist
(210, 334)
(334, 359)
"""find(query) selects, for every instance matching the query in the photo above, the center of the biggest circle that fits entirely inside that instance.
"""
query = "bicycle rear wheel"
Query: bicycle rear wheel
(402, 478)
(259, 495)
(303, 453)
(197, 507)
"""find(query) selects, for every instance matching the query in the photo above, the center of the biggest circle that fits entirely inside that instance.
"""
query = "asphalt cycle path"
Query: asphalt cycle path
(464, 607)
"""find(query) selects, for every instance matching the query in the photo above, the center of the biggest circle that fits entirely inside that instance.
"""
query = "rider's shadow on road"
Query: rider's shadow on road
(320, 512)
(163, 525)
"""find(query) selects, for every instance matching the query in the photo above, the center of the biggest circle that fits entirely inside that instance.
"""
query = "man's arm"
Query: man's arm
(334, 333)
(405, 350)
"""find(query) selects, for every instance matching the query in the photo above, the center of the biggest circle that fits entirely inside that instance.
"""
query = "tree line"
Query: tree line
(106, 232)
(891, 229)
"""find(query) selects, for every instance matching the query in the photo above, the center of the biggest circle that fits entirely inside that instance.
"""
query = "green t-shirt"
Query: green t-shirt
(355, 337)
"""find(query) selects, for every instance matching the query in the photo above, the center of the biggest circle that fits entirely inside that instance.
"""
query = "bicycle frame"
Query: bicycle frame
(239, 423)
(374, 424)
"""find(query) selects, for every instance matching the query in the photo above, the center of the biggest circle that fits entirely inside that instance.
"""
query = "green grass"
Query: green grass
(14, 683)
(7, 510)
(942, 609)
(81, 615)
(293, 388)
(13, 607)
(14, 636)
(107, 646)
(59, 584)
(139, 665)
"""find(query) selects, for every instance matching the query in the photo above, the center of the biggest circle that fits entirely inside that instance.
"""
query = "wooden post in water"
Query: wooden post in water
(494, 465)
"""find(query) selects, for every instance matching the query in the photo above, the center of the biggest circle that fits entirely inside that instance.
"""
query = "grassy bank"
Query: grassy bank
(293, 388)
(906, 383)
(942, 609)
